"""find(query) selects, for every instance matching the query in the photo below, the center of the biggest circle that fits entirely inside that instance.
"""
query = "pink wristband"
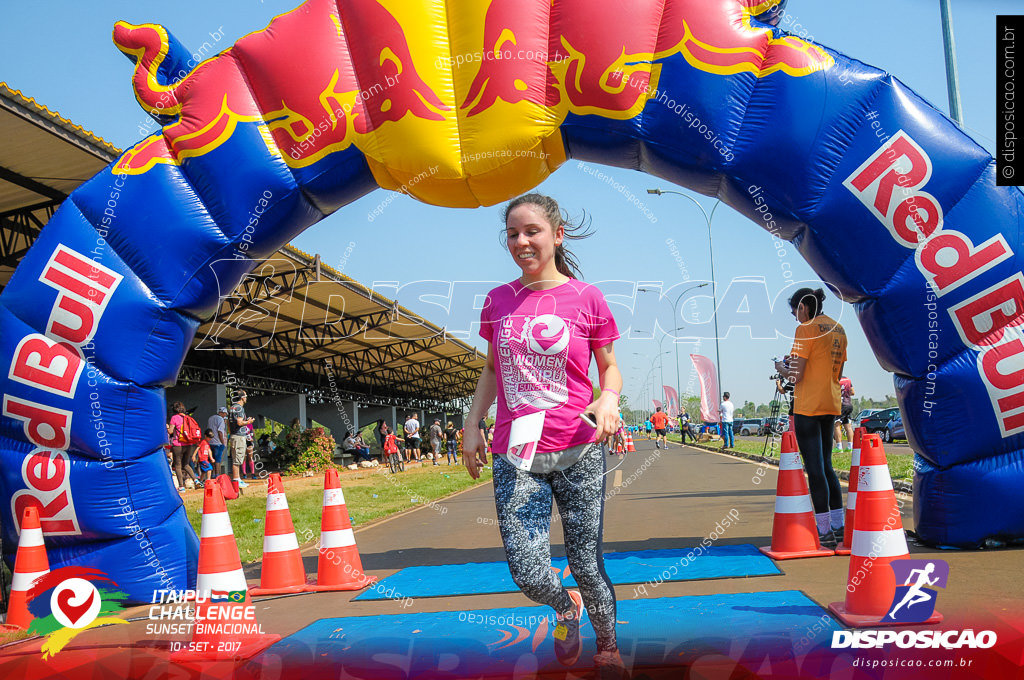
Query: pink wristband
(612, 391)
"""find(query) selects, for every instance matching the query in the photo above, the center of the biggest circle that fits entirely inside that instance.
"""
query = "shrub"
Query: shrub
(300, 451)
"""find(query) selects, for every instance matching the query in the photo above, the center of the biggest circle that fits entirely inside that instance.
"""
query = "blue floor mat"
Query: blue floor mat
(746, 628)
(727, 561)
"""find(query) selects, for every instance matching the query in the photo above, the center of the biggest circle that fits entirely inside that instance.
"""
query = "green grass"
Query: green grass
(369, 495)
(900, 467)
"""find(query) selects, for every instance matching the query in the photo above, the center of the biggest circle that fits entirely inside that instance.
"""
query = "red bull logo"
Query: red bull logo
(603, 65)
(332, 74)
(315, 103)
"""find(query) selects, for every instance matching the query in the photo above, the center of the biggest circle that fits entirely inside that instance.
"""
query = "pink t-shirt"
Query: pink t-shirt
(542, 343)
(177, 421)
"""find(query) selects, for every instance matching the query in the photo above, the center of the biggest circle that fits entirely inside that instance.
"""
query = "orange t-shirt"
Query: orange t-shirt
(822, 343)
(660, 420)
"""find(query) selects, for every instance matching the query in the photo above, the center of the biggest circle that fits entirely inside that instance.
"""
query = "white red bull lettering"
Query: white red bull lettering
(889, 184)
(53, 363)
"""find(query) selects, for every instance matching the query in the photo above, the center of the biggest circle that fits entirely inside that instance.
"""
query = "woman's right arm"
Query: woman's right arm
(473, 446)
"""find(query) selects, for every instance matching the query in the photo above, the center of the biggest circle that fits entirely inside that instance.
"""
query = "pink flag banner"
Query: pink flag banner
(672, 398)
(657, 404)
(708, 388)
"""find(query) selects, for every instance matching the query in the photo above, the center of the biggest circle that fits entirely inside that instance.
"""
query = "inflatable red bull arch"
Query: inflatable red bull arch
(466, 103)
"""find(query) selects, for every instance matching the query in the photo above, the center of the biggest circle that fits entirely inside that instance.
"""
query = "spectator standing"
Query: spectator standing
(181, 449)
(218, 423)
(814, 366)
(412, 435)
(382, 431)
(238, 443)
(452, 442)
(204, 453)
(436, 439)
(725, 411)
(844, 422)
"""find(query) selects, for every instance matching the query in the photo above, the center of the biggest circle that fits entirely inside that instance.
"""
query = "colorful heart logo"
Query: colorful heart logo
(74, 612)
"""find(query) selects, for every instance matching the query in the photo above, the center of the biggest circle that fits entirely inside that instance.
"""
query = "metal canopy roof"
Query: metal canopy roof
(296, 319)
(292, 325)
(43, 158)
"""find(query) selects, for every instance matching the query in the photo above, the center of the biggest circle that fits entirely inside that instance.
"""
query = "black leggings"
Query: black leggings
(814, 437)
(182, 455)
(523, 500)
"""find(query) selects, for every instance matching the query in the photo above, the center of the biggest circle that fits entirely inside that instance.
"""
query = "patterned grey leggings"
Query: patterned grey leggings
(523, 501)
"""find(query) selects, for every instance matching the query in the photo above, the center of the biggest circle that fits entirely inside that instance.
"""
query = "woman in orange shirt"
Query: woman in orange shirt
(815, 366)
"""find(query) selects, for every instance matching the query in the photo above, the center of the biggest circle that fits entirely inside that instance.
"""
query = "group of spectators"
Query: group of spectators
(440, 438)
(227, 430)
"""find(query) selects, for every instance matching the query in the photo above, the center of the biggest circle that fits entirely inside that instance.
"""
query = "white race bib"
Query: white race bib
(523, 439)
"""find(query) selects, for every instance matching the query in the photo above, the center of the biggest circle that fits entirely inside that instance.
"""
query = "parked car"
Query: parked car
(778, 425)
(894, 429)
(876, 422)
(747, 426)
(864, 414)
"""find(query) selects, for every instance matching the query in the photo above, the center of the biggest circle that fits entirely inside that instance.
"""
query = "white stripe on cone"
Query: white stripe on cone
(22, 581)
(790, 461)
(793, 505)
(874, 478)
(215, 524)
(856, 458)
(225, 580)
(280, 543)
(339, 538)
(887, 543)
(334, 497)
(276, 501)
(851, 500)
(30, 538)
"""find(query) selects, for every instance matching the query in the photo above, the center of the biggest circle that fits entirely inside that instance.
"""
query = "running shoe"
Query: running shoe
(609, 666)
(567, 633)
(828, 540)
(242, 484)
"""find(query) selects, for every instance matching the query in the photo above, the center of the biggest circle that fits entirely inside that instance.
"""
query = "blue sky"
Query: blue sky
(61, 54)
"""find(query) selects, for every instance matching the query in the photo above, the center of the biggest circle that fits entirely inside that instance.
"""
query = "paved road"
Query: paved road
(674, 503)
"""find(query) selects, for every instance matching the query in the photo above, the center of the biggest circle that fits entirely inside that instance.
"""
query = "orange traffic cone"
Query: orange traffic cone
(629, 442)
(618, 448)
(878, 539)
(282, 570)
(338, 566)
(794, 533)
(30, 564)
(221, 631)
(851, 494)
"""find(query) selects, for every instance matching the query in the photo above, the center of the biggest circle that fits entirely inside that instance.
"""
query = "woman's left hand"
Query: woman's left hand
(606, 412)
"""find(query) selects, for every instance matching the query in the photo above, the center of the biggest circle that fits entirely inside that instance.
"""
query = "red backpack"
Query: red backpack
(189, 432)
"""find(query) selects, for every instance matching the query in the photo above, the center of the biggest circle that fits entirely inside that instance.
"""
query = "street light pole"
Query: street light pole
(675, 304)
(711, 248)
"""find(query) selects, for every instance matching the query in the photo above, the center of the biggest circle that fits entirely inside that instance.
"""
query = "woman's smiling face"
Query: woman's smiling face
(531, 239)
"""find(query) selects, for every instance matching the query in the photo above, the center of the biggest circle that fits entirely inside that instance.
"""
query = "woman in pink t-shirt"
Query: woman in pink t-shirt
(542, 331)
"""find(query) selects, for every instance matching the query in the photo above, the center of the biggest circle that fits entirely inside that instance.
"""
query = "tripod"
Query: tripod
(774, 429)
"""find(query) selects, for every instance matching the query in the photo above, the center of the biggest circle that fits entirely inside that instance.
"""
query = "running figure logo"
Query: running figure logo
(913, 602)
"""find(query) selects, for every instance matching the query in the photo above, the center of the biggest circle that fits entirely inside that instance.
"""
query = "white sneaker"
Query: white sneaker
(241, 484)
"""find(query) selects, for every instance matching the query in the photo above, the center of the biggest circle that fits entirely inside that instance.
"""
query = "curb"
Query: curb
(898, 484)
